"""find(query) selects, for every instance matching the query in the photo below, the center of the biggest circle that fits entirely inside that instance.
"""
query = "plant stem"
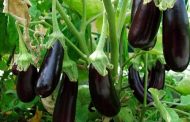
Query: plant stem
(54, 17)
(75, 32)
(113, 37)
(83, 24)
(41, 22)
(146, 80)
(182, 112)
(122, 16)
(78, 51)
(102, 40)
(145, 87)
(22, 47)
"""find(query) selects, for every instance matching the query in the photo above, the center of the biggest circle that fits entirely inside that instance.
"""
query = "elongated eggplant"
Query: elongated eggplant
(65, 107)
(103, 93)
(135, 5)
(176, 45)
(135, 84)
(26, 82)
(50, 70)
(145, 26)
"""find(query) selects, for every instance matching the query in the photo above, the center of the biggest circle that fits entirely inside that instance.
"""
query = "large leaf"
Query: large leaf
(93, 7)
(183, 87)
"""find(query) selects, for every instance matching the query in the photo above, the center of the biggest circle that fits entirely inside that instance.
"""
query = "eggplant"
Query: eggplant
(157, 78)
(176, 46)
(25, 86)
(135, 84)
(65, 106)
(103, 93)
(135, 5)
(50, 70)
(145, 26)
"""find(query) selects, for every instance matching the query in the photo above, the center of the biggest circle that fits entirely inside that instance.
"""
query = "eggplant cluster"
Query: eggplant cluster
(146, 19)
(156, 79)
(31, 82)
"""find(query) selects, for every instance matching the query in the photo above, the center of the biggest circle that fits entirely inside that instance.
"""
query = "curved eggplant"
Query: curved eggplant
(135, 84)
(50, 70)
(65, 107)
(135, 5)
(176, 45)
(103, 93)
(145, 26)
(26, 82)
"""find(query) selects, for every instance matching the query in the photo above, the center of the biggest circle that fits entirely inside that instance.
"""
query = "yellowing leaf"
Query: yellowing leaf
(37, 117)
(18, 9)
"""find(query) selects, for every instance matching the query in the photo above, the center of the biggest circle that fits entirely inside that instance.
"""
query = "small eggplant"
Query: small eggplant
(145, 26)
(157, 78)
(50, 70)
(103, 93)
(65, 107)
(135, 84)
(176, 37)
(26, 82)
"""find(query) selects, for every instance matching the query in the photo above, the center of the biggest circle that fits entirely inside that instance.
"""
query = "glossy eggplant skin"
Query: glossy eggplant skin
(135, 5)
(157, 77)
(103, 93)
(65, 107)
(50, 70)
(145, 26)
(25, 86)
(135, 84)
(176, 45)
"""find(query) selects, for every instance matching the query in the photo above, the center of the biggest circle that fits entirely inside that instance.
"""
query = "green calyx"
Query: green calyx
(100, 62)
(57, 35)
(24, 58)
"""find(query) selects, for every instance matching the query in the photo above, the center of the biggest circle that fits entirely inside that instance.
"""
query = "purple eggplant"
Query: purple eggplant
(50, 70)
(176, 45)
(26, 82)
(145, 26)
(103, 93)
(65, 107)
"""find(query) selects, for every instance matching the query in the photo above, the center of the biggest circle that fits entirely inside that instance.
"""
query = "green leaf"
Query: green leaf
(185, 103)
(126, 115)
(93, 7)
(183, 87)
(161, 108)
(173, 114)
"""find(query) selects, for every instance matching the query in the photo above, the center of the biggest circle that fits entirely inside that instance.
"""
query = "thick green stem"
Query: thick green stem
(102, 40)
(83, 24)
(182, 112)
(22, 47)
(54, 17)
(113, 38)
(122, 16)
(72, 28)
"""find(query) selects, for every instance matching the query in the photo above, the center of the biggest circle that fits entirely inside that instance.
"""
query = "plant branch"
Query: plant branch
(122, 17)
(54, 17)
(113, 37)
(72, 28)
(102, 40)
(83, 24)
